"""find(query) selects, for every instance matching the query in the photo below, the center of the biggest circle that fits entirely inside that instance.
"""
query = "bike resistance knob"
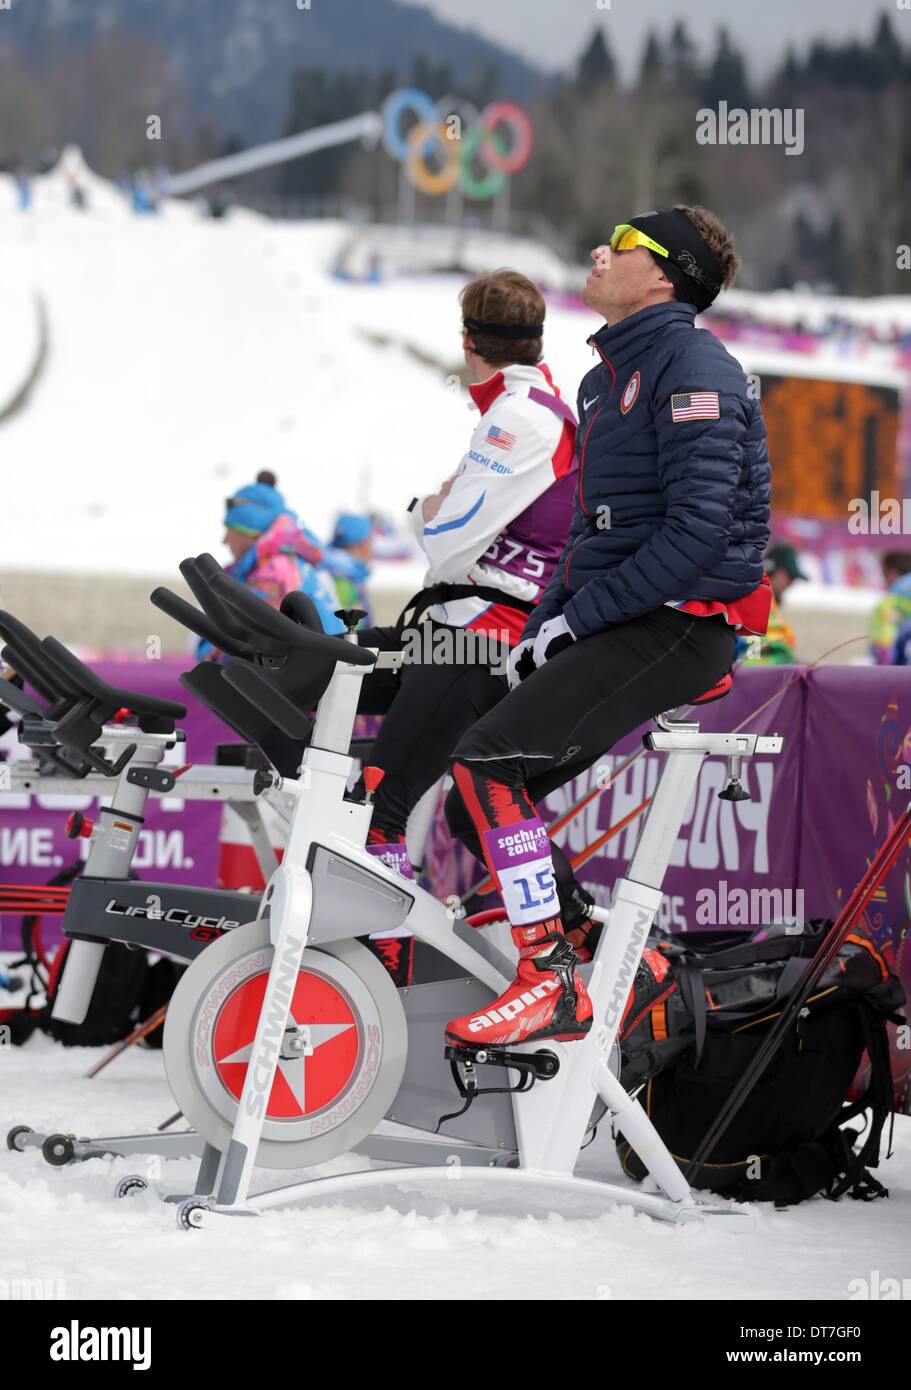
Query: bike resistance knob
(373, 776)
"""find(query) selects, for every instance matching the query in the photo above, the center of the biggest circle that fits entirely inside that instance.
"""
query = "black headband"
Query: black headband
(504, 330)
(691, 265)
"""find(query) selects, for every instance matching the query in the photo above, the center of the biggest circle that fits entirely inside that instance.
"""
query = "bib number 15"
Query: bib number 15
(528, 892)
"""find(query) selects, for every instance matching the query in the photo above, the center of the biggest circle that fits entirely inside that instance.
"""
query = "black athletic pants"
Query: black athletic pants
(566, 715)
(427, 709)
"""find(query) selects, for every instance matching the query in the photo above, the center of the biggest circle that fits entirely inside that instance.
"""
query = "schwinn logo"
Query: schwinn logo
(177, 916)
(628, 968)
(263, 1065)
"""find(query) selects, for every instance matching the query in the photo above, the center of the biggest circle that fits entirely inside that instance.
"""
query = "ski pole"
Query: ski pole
(585, 854)
(882, 862)
(142, 1030)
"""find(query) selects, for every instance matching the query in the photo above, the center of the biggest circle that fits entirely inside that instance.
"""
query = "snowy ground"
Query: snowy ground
(62, 1225)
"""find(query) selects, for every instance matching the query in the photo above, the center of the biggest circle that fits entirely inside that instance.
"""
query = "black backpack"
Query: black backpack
(129, 989)
(701, 1005)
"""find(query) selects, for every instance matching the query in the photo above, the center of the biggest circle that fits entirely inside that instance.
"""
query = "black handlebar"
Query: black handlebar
(281, 629)
(24, 652)
(286, 658)
(301, 609)
(198, 573)
(23, 666)
(198, 622)
(80, 703)
(90, 684)
(19, 700)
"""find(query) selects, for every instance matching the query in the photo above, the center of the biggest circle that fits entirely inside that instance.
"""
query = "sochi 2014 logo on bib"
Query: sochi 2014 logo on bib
(631, 391)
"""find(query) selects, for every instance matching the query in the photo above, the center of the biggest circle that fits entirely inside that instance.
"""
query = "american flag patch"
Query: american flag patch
(500, 439)
(695, 405)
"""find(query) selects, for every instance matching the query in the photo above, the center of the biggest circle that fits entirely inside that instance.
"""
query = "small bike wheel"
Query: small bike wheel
(12, 1138)
(58, 1149)
(130, 1187)
(190, 1213)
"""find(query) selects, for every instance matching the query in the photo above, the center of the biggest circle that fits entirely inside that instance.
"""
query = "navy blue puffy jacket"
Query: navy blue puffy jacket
(666, 508)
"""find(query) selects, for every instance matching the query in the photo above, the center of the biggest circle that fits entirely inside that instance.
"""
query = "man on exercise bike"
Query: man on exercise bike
(662, 567)
(492, 535)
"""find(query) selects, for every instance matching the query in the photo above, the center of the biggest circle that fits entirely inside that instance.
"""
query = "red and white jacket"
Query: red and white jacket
(507, 516)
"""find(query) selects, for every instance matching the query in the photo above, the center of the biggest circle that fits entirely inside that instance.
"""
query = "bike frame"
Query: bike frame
(326, 842)
(111, 850)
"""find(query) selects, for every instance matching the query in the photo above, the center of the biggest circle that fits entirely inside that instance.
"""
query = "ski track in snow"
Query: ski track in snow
(64, 1225)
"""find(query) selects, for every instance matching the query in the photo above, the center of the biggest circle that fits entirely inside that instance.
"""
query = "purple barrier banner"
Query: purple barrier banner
(856, 781)
(179, 841)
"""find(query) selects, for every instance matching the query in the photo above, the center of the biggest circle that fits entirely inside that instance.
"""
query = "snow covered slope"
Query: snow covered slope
(186, 354)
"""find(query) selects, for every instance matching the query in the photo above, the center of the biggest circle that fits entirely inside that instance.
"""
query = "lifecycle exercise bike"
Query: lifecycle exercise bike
(286, 1043)
(77, 748)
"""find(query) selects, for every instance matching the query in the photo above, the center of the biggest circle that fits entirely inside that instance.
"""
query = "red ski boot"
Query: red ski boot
(546, 1000)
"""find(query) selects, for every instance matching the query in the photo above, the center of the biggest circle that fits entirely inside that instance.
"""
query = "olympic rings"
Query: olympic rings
(507, 113)
(407, 99)
(452, 133)
(422, 139)
(480, 189)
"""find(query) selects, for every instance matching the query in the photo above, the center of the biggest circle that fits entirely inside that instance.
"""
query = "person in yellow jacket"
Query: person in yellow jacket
(893, 612)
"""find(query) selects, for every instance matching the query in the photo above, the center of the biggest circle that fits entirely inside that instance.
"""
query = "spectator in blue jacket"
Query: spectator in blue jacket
(348, 558)
(663, 566)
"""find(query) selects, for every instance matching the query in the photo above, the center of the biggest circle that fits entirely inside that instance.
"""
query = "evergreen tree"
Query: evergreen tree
(652, 65)
(596, 66)
(886, 52)
(819, 63)
(790, 71)
(726, 79)
(682, 60)
(785, 85)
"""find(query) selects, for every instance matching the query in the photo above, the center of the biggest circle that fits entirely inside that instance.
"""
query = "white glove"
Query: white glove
(552, 637)
(513, 676)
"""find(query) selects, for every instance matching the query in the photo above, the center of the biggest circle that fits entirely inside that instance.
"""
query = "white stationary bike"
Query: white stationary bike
(288, 1045)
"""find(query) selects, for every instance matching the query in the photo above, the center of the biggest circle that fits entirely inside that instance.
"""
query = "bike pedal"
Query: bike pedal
(463, 1061)
(542, 1064)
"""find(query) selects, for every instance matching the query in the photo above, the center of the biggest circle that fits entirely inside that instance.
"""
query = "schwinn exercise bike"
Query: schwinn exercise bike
(287, 1045)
